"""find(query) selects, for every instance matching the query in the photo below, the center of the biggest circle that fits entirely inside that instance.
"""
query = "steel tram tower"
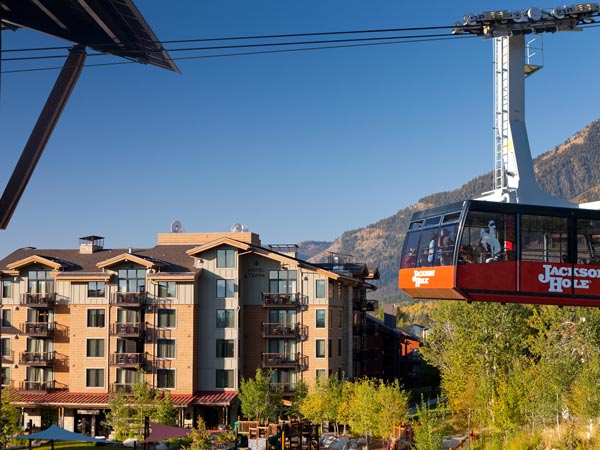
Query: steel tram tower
(514, 177)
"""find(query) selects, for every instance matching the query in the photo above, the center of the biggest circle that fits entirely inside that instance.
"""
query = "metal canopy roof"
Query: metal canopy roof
(109, 26)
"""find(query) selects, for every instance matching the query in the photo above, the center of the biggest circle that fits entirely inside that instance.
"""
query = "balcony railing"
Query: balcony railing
(284, 330)
(40, 329)
(129, 299)
(45, 300)
(372, 305)
(128, 329)
(285, 361)
(126, 388)
(38, 386)
(283, 388)
(282, 300)
(37, 358)
(127, 359)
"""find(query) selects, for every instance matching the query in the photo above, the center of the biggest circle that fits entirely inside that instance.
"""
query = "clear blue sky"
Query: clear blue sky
(297, 146)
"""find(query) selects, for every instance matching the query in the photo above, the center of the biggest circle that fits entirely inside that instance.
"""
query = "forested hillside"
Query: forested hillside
(570, 171)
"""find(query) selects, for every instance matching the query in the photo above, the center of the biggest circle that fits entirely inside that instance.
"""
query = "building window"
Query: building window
(40, 282)
(320, 289)
(95, 318)
(340, 318)
(225, 259)
(94, 378)
(5, 347)
(166, 318)
(165, 378)
(95, 348)
(330, 348)
(225, 288)
(340, 347)
(132, 280)
(96, 289)
(167, 289)
(5, 375)
(320, 374)
(6, 318)
(6, 289)
(165, 348)
(320, 350)
(330, 319)
(283, 281)
(225, 318)
(320, 313)
(224, 348)
(224, 378)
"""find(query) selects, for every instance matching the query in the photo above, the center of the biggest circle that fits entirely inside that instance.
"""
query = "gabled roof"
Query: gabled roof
(36, 259)
(147, 262)
(267, 253)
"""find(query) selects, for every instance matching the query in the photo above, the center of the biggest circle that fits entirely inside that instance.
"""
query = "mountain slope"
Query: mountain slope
(570, 171)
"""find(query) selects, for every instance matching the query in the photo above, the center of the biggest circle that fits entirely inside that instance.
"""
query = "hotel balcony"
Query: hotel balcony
(372, 305)
(38, 329)
(38, 386)
(284, 361)
(37, 358)
(126, 388)
(127, 359)
(282, 300)
(283, 388)
(129, 299)
(46, 300)
(128, 329)
(284, 331)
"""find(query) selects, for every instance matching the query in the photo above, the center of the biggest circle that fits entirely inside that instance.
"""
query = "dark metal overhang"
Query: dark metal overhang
(115, 27)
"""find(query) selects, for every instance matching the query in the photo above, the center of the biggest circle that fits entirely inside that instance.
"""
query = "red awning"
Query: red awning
(161, 432)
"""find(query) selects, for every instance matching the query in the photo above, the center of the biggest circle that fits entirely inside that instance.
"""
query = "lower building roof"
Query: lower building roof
(65, 398)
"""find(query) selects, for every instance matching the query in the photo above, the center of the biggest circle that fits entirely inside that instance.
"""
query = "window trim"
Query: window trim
(87, 315)
(102, 379)
(87, 347)
(168, 315)
(173, 371)
(324, 349)
(324, 323)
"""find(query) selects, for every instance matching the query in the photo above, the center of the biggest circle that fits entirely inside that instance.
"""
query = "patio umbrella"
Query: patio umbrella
(162, 432)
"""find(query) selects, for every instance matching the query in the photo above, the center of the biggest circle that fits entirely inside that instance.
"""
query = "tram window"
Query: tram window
(588, 241)
(487, 237)
(454, 217)
(432, 221)
(409, 257)
(415, 226)
(543, 238)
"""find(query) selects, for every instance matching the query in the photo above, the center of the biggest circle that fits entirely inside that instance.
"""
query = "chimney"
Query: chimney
(90, 244)
(389, 315)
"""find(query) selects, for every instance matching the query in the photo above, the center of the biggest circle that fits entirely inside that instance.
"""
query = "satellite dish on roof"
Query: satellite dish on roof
(176, 226)
(236, 228)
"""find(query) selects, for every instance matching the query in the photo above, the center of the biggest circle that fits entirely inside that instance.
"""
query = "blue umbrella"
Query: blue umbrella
(56, 433)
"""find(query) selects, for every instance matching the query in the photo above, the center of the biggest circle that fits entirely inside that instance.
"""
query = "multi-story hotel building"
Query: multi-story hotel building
(195, 314)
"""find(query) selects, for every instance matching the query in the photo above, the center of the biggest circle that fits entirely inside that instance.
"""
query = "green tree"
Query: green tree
(313, 406)
(363, 417)
(392, 407)
(430, 429)
(199, 438)
(9, 417)
(259, 402)
(164, 410)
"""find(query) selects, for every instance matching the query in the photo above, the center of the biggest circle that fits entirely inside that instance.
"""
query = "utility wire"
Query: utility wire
(264, 52)
(233, 38)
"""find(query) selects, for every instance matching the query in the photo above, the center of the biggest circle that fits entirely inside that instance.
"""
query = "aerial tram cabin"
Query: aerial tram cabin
(502, 252)
(515, 243)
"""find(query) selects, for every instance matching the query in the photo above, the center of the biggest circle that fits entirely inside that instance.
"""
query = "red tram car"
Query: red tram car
(502, 252)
